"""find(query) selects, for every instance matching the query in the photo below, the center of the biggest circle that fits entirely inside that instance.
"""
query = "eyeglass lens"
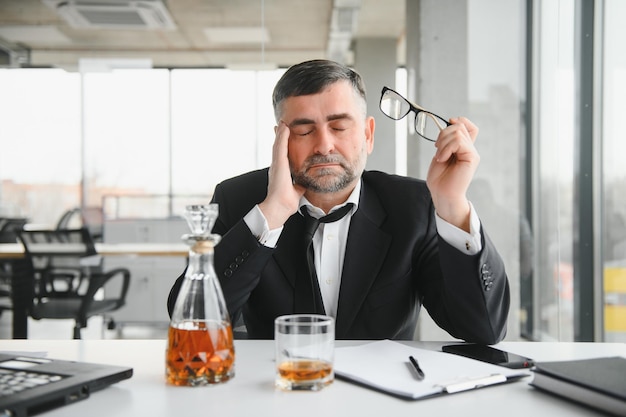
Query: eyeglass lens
(427, 125)
(394, 105)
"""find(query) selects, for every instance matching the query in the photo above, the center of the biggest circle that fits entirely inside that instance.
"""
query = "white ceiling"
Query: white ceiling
(204, 36)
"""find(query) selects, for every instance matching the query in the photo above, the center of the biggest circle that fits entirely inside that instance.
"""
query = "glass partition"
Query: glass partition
(553, 156)
(614, 171)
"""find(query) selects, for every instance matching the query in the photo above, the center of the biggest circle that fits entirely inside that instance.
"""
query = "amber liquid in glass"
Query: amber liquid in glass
(200, 354)
(304, 370)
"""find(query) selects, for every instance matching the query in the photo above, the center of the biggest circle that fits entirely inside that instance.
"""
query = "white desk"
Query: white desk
(252, 393)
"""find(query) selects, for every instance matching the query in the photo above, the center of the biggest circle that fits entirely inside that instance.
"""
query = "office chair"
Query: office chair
(9, 227)
(90, 217)
(69, 219)
(8, 234)
(67, 277)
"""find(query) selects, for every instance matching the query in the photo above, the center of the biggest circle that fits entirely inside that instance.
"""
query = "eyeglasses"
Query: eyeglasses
(427, 124)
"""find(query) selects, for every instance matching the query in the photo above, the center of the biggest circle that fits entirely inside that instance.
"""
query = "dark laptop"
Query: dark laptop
(31, 385)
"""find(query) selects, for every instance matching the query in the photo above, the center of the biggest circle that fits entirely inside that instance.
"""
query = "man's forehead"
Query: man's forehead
(318, 108)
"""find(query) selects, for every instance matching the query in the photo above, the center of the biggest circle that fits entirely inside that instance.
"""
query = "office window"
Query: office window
(40, 137)
(222, 125)
(495, 97)
(614, 172)
(147, 141)
(553, 141)
(126, 127)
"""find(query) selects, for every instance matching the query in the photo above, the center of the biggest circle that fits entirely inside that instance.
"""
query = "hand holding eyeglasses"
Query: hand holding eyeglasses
(455, 161)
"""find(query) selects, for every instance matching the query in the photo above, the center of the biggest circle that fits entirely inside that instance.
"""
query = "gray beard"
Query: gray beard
(326, 181)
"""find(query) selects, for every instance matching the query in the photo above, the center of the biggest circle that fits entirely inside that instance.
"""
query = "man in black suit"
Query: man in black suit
(403, 243)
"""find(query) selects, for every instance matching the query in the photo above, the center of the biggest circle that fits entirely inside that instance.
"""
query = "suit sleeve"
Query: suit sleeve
(239, 260)
(472, 299)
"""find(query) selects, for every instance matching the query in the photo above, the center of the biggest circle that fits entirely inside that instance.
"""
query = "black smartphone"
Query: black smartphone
(488, 354)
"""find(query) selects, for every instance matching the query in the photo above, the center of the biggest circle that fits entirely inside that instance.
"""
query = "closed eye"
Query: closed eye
(341, 125)
(302, 130)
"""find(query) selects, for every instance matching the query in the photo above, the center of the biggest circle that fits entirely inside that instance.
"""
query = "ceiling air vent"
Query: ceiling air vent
(13, 56)
(113, 14)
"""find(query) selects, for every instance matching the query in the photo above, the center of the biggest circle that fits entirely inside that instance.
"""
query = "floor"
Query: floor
(96, 329)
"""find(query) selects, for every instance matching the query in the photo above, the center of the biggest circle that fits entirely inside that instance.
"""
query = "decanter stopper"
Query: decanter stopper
(201, 218)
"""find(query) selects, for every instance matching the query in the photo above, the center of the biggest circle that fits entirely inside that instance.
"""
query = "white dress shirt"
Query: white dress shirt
(329, 242)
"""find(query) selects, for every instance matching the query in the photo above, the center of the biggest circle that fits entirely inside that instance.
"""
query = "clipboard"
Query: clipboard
(384, 366)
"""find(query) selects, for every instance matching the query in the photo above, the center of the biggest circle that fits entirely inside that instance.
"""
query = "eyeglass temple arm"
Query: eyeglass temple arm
(420, 109)
(436, 120)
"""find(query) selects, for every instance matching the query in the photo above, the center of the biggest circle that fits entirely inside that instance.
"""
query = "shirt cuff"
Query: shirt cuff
(257, 223)
(468, 243)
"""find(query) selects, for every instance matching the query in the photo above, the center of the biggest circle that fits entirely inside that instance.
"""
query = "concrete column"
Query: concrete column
(375, 59)
(437, 68)
(462, 59)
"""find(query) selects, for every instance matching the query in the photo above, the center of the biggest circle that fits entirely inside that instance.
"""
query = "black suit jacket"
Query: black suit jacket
(395, 261)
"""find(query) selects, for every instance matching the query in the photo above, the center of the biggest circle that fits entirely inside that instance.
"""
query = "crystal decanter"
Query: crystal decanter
(200, 349)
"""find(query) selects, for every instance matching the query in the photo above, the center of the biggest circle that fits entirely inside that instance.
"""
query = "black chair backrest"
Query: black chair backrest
(60, 259)
(90, 217)
(68, 217)
(59, 242)
(9, 228)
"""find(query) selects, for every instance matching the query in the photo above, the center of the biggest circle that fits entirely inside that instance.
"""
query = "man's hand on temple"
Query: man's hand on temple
(283, 195)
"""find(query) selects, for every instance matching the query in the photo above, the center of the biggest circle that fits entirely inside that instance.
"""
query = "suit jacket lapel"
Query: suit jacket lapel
(366, 250)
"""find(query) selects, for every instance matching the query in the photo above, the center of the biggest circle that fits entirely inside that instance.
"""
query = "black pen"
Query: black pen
(420, 373)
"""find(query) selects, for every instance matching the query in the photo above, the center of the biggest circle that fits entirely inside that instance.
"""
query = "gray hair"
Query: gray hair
(311, 77)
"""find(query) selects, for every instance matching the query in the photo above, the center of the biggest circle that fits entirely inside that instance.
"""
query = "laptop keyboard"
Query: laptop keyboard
(14, 381)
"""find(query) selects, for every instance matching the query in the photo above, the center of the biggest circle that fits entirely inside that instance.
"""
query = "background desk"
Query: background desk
(252, 393)
(21, 271)
(16, 250)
